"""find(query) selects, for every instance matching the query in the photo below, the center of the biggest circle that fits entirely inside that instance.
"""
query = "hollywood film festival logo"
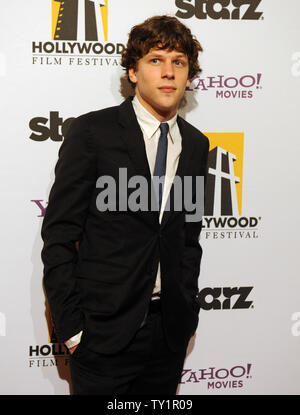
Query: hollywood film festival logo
(224, 216)
(80, 36)
(50, 354)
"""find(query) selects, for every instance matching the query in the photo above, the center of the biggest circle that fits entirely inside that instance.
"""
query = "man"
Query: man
(122, 283)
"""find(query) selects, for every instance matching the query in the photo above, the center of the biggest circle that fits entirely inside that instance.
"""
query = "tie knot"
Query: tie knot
(164, 128)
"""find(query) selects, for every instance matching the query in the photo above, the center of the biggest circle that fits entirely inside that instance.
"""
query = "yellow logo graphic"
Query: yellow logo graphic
(225, 174)
(81, 20)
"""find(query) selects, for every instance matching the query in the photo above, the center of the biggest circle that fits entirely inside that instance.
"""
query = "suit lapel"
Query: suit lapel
(132, 136)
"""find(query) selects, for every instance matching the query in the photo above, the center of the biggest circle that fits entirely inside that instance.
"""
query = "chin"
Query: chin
(167, 107)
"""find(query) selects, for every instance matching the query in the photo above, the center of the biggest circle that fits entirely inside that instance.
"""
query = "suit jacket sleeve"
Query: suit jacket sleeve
(63, 225)
(192, 254)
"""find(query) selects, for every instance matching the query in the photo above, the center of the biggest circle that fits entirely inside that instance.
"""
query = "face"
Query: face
(161, 77)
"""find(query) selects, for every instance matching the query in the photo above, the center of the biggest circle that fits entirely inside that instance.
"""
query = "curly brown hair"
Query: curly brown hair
(164, 32)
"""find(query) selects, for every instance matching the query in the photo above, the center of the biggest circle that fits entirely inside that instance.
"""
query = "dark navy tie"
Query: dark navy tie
(160, 169)
(161, 157)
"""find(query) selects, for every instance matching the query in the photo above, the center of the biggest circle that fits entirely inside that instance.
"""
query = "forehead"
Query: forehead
(166, 52)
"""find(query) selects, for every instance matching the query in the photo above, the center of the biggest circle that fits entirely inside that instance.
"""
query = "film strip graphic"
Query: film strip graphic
(83, 20)
(221, 194)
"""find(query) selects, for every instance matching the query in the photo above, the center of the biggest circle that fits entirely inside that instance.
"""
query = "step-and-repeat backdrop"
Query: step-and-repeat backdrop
(60, 59)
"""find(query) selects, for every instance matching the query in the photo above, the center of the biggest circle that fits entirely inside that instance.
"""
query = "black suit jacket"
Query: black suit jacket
(104, 285)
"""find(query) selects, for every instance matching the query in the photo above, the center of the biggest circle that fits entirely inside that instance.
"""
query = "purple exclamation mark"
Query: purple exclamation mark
(258, 81)
(249, 365)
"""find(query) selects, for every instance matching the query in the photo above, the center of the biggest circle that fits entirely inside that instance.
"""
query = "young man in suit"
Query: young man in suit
(122, 282)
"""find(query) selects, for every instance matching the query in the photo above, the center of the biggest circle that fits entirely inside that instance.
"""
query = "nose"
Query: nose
(168, 70)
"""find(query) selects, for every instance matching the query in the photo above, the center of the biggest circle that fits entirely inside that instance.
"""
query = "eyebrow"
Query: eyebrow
(158, 53)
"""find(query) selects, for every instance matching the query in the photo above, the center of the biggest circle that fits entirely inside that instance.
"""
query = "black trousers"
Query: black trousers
(146, 366)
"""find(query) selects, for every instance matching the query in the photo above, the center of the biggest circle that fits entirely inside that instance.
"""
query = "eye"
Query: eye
(155, 60)
(178, 62)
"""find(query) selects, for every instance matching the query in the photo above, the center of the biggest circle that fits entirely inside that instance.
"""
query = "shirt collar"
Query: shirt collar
(148, 122)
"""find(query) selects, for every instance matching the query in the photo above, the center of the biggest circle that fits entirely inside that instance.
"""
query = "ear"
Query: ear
(132, 75)
(188, 83)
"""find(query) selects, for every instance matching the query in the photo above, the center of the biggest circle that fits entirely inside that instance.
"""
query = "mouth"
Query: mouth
(167, 88)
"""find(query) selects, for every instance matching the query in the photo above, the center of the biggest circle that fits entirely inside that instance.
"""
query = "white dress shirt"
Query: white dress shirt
(151, 133)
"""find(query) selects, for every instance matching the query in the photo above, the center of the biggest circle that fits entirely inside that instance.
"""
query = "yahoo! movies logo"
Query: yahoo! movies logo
(226, 87)
(79, 36)
(223, 218)
(219, 378)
